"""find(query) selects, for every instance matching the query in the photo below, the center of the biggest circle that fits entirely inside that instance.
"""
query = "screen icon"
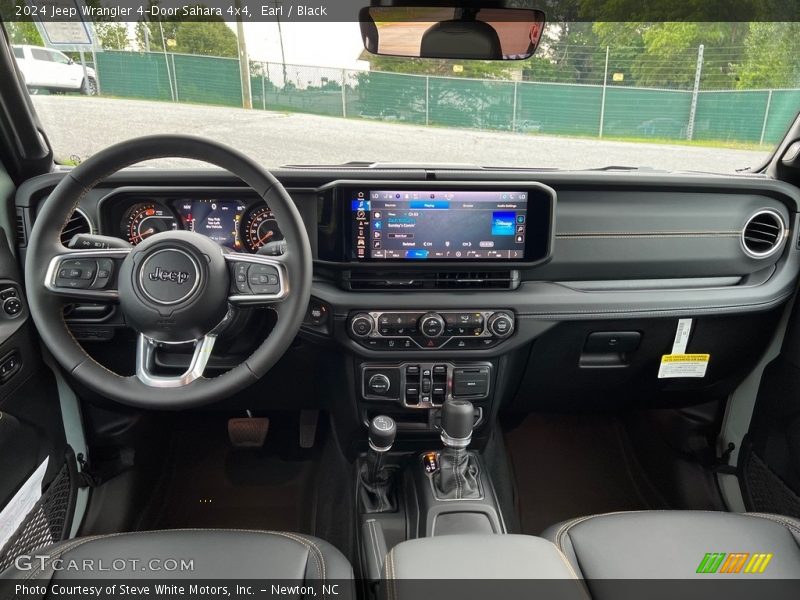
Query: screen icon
(520, 239)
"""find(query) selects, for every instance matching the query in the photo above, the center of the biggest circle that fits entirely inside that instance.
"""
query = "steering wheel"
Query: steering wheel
(175, 287)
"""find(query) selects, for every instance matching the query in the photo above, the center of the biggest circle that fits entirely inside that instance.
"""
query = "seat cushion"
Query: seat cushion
(196, 554)
(674, 544)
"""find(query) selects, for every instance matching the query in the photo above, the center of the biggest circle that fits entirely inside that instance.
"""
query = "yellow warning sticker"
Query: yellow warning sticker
(683, 365)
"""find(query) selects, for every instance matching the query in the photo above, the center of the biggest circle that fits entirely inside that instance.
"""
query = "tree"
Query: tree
(112, 36)
(24, 32)
(770, 58)
(208, 38)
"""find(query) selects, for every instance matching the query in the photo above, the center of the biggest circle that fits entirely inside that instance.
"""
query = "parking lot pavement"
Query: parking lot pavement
(80, 126)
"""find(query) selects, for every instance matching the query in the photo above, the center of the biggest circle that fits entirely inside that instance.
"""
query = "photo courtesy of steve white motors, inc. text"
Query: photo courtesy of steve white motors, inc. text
(174, 590)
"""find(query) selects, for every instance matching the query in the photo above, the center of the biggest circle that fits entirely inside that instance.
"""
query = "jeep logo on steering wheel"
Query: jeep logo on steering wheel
(179, 277)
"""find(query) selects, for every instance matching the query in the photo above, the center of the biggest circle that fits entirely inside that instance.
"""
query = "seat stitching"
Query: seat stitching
(571, 523)
(775, 519)
(578, 580)
(60, 552)
(316, 552)
(373, 536)
(393, 578)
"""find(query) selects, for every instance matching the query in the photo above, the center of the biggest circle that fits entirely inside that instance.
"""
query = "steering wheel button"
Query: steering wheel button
(74, 283)
(264, 289)
(12, 307)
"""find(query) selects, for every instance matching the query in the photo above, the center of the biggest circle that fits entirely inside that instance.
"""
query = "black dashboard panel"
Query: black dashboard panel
(623, 244)
(625, 252)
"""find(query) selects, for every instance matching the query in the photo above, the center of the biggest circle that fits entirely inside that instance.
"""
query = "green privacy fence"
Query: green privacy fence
(730, 116)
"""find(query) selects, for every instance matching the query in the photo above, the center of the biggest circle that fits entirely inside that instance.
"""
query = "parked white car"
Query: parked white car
(45, 68)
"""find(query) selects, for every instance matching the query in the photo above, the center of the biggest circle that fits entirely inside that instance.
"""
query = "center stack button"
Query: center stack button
(361, 325)
(431, 325)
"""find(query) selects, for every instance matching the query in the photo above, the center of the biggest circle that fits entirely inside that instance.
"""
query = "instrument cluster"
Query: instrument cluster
(234, 223)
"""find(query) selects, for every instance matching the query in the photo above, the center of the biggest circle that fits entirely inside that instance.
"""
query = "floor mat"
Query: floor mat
(207, 483)
(568, 466)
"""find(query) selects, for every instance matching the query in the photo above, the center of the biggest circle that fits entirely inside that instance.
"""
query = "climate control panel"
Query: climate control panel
(428, 330)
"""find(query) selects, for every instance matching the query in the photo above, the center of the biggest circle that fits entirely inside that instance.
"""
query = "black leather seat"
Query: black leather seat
(674, 544)
(214, 554)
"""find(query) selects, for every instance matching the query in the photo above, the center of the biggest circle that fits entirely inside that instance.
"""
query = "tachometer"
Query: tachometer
(261, 228)
(146, 219)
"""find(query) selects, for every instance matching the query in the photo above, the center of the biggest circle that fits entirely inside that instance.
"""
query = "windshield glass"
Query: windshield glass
(677, 96)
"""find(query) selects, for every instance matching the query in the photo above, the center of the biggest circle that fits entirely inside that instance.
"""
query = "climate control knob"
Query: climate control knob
(361, 325)
(431, 325)
(501, 324)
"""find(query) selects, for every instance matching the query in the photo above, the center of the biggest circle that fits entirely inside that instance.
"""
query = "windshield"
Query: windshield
(676, 96)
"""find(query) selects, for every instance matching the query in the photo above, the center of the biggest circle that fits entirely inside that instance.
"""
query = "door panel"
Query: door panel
(31, 425)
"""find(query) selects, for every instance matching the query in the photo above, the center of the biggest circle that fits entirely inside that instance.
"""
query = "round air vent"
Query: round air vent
(763, 234)
(78, 223)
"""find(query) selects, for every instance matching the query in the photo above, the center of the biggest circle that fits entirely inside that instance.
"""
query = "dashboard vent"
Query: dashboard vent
(78, 223)
(763, 234)
(22, 231)
(432, 280)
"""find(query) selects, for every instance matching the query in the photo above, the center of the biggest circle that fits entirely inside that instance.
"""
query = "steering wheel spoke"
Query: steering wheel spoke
(146, 348)
(257, 279)
(89, 275)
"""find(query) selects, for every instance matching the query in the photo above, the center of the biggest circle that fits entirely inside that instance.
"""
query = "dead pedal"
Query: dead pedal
(248, 432)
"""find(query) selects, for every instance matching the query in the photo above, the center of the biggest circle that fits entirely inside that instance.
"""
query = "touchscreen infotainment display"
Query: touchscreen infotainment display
(439, 225)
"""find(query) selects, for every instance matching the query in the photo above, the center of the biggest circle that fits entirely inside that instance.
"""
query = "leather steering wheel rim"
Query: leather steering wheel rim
(44, 245)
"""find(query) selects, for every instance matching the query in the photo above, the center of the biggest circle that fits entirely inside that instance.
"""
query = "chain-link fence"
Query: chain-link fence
(607, 108)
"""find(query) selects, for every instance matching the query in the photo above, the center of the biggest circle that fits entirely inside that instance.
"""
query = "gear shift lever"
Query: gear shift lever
(458, 418)
(457, 476)
(376, 480)
(382, 431)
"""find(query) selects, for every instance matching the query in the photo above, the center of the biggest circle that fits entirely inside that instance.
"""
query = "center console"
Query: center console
(421, 371)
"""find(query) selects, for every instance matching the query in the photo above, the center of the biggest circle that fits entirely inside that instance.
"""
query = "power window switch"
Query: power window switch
(412, 394)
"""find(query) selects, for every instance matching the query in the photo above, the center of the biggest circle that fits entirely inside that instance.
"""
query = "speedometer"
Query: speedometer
(146, 219)
(261, 228)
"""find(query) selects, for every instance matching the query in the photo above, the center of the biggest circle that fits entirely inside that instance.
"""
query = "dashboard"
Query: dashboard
(242, 223)
(576, 278)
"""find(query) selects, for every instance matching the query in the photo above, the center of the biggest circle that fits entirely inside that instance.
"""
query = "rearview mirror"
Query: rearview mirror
(474, 32)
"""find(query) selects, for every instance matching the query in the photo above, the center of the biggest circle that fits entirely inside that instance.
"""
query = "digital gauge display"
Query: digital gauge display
(218, 220)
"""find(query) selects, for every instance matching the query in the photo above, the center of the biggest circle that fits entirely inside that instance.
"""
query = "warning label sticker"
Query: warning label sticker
(683, 365)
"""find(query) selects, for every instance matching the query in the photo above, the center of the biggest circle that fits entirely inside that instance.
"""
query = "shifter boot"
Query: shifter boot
(457, 476)
(377, 496)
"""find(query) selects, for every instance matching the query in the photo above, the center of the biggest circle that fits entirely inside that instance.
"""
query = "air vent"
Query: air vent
(763, 234)
(22, 231)
(432, 280)
(78, 223)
